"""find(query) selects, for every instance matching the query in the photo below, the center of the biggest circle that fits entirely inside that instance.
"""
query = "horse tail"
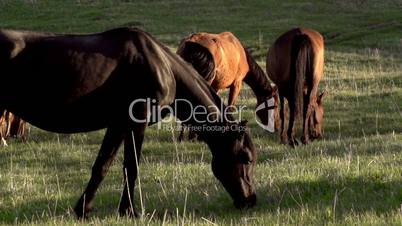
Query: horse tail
(200, 58)
(301, 68)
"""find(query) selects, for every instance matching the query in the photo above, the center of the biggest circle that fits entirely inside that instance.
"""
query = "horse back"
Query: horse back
(85, 80)
(58, 59)
(228, 54)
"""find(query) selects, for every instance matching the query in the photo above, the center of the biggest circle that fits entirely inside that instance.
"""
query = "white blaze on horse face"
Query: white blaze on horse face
(271, 115)
(270, 105)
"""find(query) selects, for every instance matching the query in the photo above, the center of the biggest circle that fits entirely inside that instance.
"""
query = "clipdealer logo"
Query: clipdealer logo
(199, 117)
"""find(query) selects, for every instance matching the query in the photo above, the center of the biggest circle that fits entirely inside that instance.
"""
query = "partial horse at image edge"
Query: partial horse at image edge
(12, 126)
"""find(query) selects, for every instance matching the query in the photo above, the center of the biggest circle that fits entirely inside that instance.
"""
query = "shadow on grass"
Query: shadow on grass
(355, 195)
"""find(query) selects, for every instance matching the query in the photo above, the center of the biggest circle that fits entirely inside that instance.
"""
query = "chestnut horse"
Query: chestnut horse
(222, 60)
(80, 83)
(12, 126)
(295, 63)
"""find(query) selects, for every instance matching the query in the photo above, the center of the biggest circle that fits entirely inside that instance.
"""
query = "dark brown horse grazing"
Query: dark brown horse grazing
(222, 60)
(295, 63)
(80, 83)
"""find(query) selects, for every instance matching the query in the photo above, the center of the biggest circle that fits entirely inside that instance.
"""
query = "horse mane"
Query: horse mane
(200, 58)
(256, 78)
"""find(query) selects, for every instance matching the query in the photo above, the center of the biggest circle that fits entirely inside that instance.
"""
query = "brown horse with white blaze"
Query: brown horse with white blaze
(295, 63)
(224, 63)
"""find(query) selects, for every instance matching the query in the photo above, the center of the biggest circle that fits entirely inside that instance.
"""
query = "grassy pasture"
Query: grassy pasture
(352, 176)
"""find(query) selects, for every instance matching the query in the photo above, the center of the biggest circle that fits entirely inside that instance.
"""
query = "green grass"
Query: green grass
(352, 176)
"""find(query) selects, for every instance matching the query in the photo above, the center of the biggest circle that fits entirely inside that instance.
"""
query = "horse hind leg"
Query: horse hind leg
(284, 138)
(111, 142)
(3, 127)
(291, 130)
(23, 131)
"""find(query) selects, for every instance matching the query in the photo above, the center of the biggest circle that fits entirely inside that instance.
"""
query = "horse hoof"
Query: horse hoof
(304, 140)
(130, 213)
(284, 140)
(80, 212)
(180, 139)
(293, 143)
(193, 136)
(4, 142)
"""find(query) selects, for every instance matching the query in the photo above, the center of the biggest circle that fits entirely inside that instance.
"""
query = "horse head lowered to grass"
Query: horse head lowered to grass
(80, 83)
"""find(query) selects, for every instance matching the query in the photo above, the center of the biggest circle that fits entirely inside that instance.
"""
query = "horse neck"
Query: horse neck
(192, 87)
(257, 79)
(196, 91)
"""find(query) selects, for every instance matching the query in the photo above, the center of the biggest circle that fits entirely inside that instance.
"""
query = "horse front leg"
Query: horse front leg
(234, 92)
(284, 137)
(132, 153)
(306, 115)
(181, 137)
(191, 135)
(307, 111)
(291, 131)
(111, 142)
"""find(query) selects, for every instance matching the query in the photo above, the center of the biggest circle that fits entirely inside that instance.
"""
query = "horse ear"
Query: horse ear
(321, 97)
